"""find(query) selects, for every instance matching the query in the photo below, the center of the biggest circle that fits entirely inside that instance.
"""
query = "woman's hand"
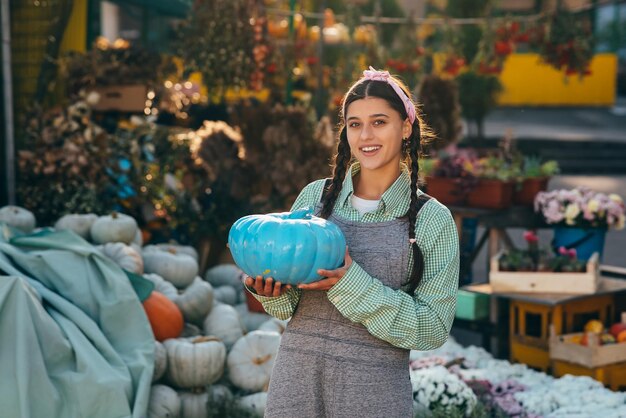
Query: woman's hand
(266, 287)
(332, 276)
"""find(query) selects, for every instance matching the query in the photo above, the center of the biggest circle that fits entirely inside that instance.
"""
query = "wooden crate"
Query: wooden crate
(611, 375)
(534, 350)
(545, 282)
(567, 348)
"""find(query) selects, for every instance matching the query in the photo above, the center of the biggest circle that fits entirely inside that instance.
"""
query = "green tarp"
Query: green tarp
(74, 338)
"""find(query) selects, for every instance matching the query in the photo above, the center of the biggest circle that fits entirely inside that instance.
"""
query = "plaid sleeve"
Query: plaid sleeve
(422, 321)
(283, 306)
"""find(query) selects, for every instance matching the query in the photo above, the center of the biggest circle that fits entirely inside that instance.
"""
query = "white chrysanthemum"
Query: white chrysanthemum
(437, 387)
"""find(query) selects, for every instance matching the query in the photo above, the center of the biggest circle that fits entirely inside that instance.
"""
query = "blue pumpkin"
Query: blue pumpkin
(289, 247)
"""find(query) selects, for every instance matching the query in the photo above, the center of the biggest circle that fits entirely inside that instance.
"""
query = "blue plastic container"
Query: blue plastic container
(585, 241)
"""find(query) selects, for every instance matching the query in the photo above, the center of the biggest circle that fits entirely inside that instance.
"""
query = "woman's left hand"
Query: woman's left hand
(332, 276)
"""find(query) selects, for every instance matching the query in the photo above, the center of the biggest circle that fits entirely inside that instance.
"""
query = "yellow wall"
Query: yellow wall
(75, 37)
(529, 82)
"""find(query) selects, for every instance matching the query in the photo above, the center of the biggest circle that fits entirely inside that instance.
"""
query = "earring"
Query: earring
(405, 144)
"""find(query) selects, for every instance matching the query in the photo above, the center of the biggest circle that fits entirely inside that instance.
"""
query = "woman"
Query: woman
(345, 351)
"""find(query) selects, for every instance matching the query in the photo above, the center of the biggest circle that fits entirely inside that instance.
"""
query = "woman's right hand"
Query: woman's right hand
(267, 287)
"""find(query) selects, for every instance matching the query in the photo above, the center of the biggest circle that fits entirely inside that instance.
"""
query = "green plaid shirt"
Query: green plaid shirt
(419, 322)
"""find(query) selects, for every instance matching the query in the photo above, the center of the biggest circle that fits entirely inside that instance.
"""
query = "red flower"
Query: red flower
(402, 67)
(531, 237)
(271, 68)
(312, 60)
(503, 48)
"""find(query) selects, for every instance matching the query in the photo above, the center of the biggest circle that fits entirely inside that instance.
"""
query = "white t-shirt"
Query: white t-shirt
(363, 205)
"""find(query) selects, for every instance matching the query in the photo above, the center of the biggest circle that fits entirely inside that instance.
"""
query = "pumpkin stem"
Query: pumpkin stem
(260, 360)
(114, 214)
(205, 339)
(172, 250)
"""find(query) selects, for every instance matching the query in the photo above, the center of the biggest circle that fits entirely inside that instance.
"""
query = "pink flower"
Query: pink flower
(531, 237)
(563, 251)
(571, 253)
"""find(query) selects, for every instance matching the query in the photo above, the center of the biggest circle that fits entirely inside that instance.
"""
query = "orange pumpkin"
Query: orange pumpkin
(621, 337)
(165, 317)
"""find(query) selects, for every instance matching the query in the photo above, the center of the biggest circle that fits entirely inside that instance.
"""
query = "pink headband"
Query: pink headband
(373, 74)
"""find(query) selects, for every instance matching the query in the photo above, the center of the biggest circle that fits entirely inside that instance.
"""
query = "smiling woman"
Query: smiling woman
(350, 332)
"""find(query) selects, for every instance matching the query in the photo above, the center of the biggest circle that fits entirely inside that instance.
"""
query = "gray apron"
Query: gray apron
(329, 366)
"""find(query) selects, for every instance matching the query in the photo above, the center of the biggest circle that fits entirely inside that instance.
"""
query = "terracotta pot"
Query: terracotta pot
(444, 189)
(491, 194)
(530, 187)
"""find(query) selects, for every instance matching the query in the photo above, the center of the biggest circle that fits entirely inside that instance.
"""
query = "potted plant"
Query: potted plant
(534, 258)
(449, 178)
(534, 179)
(581, 217)
(535, 269)
(494, 189)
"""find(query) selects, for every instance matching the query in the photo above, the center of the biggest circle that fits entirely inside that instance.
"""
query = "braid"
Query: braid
(340, 166)
(418, 258)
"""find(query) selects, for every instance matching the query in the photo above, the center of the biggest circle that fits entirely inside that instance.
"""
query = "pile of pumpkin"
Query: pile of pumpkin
(210, 348)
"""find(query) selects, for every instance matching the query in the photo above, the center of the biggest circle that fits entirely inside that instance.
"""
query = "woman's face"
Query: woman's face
(375, 131)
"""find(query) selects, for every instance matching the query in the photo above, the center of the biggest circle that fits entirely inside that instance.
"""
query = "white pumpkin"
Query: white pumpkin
(225, 294)
(80, 223)
(180, 249)
(178, 269)
(138, 240)
(196, 301)
(164, 402)
(18, 217)
(190, 330)
(194, 362)
(160, 361)
(254, 403)
(224, 323)
(275, 325)
(194, 405)
(225, 274)
(123, 255)
(251, 320)
(162, 286)
(219, 394)
(251, 359)
(115, 227)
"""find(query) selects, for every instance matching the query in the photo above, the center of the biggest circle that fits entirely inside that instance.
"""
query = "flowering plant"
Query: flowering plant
(581, 207)
(534, 258)
(435, 388)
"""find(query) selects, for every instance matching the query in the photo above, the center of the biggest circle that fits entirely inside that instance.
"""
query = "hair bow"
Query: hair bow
(384, 76)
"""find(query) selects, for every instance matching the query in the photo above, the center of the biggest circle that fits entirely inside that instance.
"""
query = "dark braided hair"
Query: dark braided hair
(380, 89)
